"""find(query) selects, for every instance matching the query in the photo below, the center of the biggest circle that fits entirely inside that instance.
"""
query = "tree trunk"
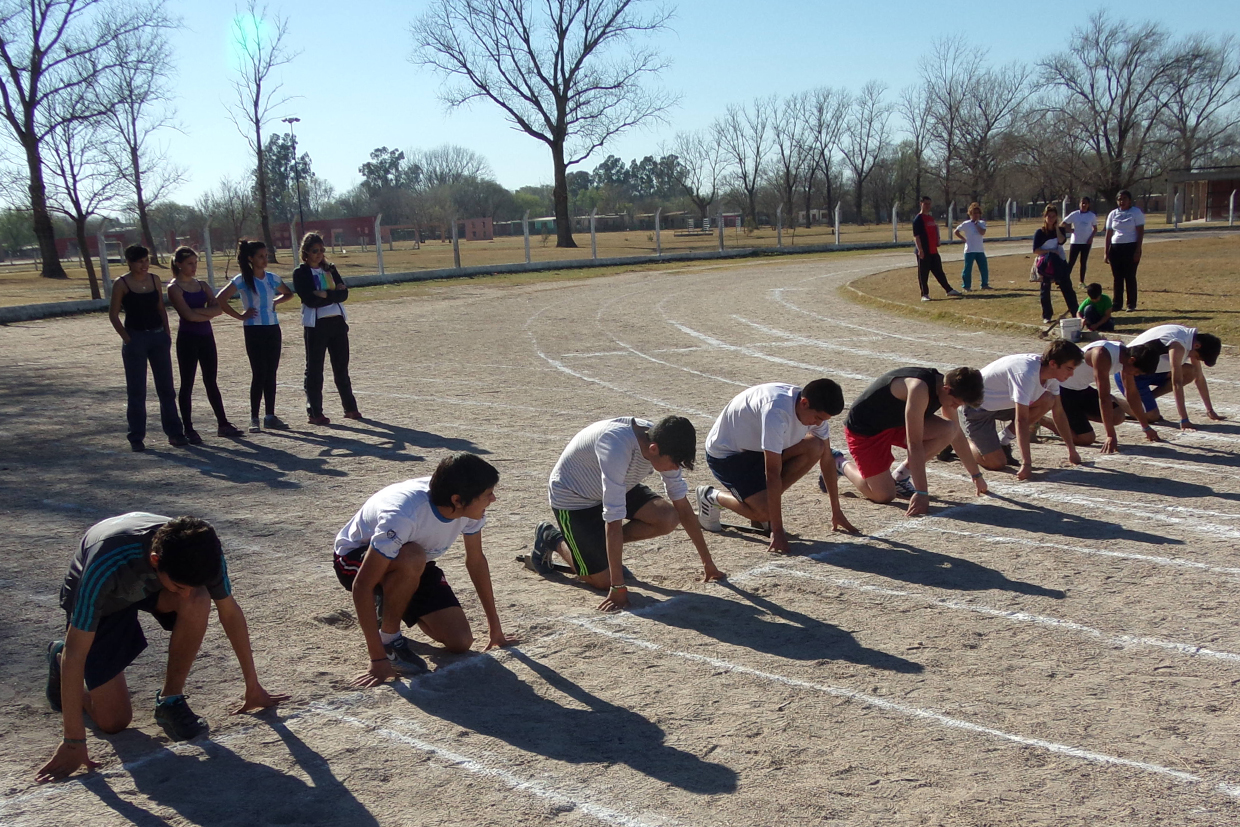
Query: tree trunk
(261, 175)
(79, 223)
(143, 221)
(563, 222)
(44, 231)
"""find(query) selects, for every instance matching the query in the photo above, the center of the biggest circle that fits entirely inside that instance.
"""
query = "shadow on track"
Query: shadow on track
(1039, 519)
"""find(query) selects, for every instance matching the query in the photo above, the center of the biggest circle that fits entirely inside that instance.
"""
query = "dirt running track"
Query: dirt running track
(1063, 653)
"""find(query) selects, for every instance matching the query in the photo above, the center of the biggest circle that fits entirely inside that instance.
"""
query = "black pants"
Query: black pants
(1124, 272)
(328, 336)
(927, 265)
(1065, 287)
(262, 346)
(1081, 250)
(192, 351)
(155, 347)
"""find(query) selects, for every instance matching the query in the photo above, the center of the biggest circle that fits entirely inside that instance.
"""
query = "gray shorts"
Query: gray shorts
(980, 428)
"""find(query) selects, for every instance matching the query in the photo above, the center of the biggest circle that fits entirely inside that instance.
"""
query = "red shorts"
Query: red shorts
(872, 454)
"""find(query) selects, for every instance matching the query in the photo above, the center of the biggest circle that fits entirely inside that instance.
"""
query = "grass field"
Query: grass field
(1192, 281)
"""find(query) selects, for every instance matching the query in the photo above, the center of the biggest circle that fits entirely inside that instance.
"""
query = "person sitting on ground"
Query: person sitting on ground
(766, 439)
(1082, 393)
(900, 408)
(386, 555)
(1187, 351)
(597, 485)
(1020, 389)
(1095, 311)
(171, 568)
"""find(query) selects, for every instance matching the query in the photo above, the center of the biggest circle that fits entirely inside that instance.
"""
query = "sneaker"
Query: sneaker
(708, 509)
(966, 289)
(904, 487)
(274, 423)
(255, 428)
(178, 720)
(1008, 457)
(955, 294)
(228, 430)
(947, 454)
(1048, 321)
(841, 459)
(318, 420)
(761, 526)
(137, 447)
(547, 539)
(352, 415)
(193, 437)
(402, 657)
(178, 441)
(53, 673)
(925, 298)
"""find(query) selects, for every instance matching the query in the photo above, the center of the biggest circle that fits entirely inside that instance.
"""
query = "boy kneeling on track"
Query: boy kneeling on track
(1086, 394)
(1187, 351)
(600, 502)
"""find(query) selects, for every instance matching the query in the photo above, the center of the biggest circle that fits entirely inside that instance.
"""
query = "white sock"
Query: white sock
(1006, 436)
(900, 471)
(388, 638)
(712, 496)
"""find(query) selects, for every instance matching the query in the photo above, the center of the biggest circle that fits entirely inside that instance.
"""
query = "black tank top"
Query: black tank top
(876, 410)
(142, 310)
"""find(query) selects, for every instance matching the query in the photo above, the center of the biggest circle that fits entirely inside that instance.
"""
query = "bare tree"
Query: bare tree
(1200, 97)
(53, 50)
(826, 113)
(699, 167)
(1111, 83)
(793, 150)
(259, 41)
(916, 109)
(866, 136)
(743, 134)
(949, 77)
(449, 164)
(566, 72)
(993, 110)
(231, 202)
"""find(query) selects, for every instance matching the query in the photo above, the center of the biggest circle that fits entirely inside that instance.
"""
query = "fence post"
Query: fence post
(658, 238)
(719, 228)
(379, 241)
(456, 245)
(593, 234)
(1231, 209)
(1063, 208)
(525, 229)
(779, 227)
(951, 222)
(206, 241)
(103, 262)
(837, 222)
(895, 235)
(1179, 208)
(1007, 217)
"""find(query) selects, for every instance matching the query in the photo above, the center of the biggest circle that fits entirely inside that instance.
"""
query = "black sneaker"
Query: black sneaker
(137, 447)
(547, 538)
(53, 673)
(178, 720)
(1008, 456)
(402, 657)
(947, 454)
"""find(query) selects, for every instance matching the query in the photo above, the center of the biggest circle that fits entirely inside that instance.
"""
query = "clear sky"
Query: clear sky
(357, 89)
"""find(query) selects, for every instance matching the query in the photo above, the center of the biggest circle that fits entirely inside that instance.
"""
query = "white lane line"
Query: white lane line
(1177, 466)
(823, 345)
(1231, 790)
(756, 354)
(1125, 641)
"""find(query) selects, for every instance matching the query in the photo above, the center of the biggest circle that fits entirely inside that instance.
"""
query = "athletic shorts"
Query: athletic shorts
(981, 429)
(119, 640)
(1080, 406)
(872, 454)
(433, 592)
(586, 534)
(1147, 383)
(743, 474)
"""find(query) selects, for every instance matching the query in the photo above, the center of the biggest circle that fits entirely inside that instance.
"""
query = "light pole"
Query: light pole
(301, 216)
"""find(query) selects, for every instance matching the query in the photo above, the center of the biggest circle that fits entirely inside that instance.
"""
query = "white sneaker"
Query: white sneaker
(955, 294)
(841, 459)
(708, 509)
(905, 487)
(255, 428)
(925, 298)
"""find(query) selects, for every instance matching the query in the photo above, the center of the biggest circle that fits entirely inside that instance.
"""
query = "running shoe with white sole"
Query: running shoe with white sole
(402, 657)
(547, 539)
(904, 487)
(955, 294)
(708, 509)
(841, 459)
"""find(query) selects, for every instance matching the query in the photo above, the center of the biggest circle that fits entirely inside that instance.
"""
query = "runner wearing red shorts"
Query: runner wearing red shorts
(908, 407)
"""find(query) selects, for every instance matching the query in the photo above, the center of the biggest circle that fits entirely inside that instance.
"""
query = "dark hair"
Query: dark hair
(136, 252)
(924, 198)
(1062, 352)
(181, 254)
(1087, 198)
(1145, 357)
(966, 384)
(1208, 347)
(464, 475)
(824, 396)
(246, 250)
(676, 439)
(1094, 290)
(1123, 194)
(188, 551)
(308, 240)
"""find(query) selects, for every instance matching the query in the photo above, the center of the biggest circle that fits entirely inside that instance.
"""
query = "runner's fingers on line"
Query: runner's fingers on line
(502, 641)
(265, 700)
(367, 679)
(64, 763)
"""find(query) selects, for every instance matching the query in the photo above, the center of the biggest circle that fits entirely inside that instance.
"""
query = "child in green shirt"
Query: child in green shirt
(1095, 311)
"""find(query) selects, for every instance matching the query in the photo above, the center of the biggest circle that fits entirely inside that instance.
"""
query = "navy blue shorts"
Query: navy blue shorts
(119, 640)
(433, 592)
(743, 474)
(586, 534)
(1147, 383)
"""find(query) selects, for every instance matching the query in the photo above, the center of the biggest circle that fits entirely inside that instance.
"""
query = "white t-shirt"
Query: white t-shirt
(762, 418)
(1083, 224)
(1084, 376)
(403, 513)
(601, 464)
(1168, 334)
(973, 240)
(1013, 380)
(1125, 223)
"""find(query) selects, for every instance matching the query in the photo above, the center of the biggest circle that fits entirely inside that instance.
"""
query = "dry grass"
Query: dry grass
(1183, 280)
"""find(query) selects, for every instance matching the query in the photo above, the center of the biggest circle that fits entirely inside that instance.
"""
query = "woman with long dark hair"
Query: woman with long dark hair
(1051, 264)
(323, 293)
(197, 306)
(260, 292)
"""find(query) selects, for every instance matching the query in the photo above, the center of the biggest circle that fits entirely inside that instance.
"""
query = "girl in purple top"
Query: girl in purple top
(197, 306)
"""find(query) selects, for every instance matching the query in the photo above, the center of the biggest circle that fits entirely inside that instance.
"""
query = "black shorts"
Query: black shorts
(433, 592)
(119, 640)
(743, 474)
(586, 533)
(1080, 406)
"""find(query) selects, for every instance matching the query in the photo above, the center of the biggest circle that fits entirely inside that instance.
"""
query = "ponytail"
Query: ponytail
(181, 254)
(245, 250)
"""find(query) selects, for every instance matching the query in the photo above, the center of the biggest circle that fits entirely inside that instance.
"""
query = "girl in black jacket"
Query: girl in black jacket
(323, 292)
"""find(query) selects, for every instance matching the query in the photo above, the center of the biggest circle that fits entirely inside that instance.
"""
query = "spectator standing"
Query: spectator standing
(973, 234)
(323, 292)
(1084, 224)
(1053, 269)
(926, 241)
(1125, 234)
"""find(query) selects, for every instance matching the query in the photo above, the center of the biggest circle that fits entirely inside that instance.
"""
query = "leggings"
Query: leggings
(1081, 250)
(262, 346)
(1124, 274)
(194, 350)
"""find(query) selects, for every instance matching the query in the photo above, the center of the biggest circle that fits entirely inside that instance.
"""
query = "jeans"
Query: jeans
(1062, 279)
(328, 336)
(194, 350)
(1124, 273)
(927, 265)
(155, 347)
(1081, 250)
(262, 346)
(1091, 317)
(966, 277)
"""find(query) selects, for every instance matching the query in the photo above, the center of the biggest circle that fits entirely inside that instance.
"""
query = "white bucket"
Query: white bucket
(1070, 329)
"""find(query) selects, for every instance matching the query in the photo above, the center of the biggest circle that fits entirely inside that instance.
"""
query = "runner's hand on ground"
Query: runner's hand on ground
(840, 523)
(1110, 445)
(500, 639)
(918, 504)
(65, 761)
(380, 671)
(258, 698)
(616, 600)
(712, 574)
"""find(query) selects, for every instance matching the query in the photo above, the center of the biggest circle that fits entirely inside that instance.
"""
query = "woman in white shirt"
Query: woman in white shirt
(1084, 224)
(972, 233)
(1125, 233)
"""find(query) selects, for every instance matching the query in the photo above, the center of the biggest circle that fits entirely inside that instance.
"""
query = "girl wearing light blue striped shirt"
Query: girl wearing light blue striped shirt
(259, 297)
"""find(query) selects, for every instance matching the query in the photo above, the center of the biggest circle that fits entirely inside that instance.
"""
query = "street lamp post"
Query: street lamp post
(301, 216)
